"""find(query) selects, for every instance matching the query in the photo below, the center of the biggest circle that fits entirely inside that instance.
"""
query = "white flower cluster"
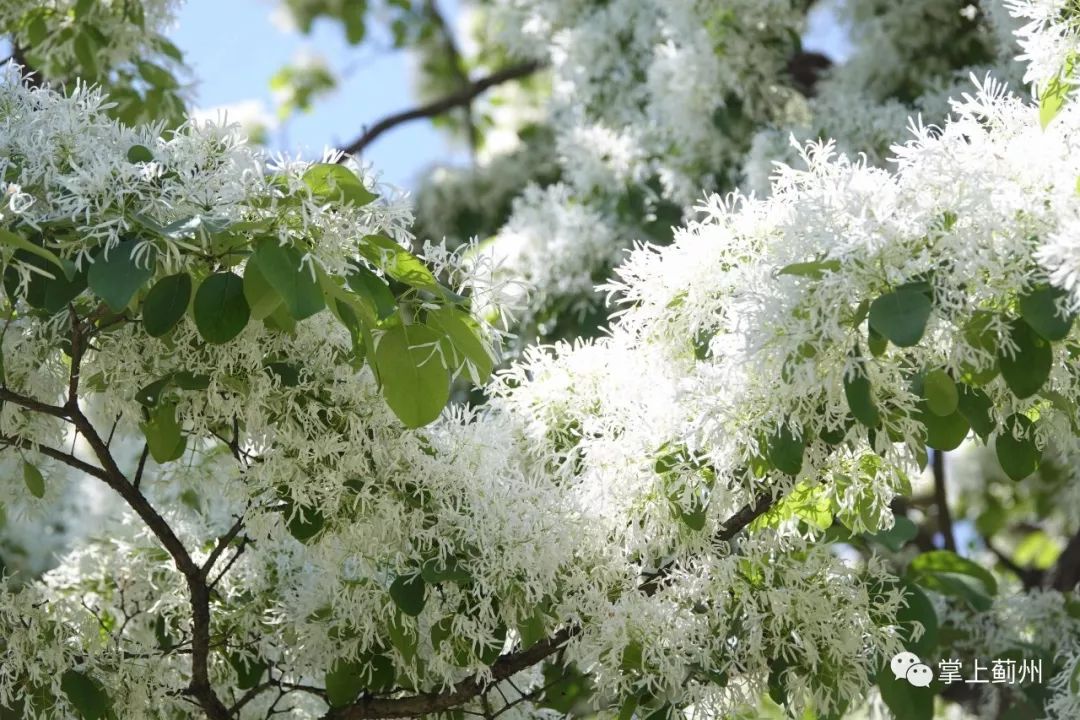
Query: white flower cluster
(1036, 624)
(115, 32)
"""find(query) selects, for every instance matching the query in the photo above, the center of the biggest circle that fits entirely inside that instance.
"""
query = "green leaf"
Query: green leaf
(1019, 457)
(1039, 308)
(344, 682)
(533, 628)
(906, 701)
(940, 392)
(860, 398)
(435, 571)
(166, 303)
(51, 294)
(920, 610)
(1028, 368)
(305, 523)
(281, 266)
(260, 295)
(785, 451)
(164, 436)
(220, 310)
(86, 695)
(403, 636)
(18, 242)
(248, 671)
(331, 182)
(139, 154)
(975, 405)
(466, 339)
(115, 277)
(397, 262)
(86, 53)
(37, 31)
(415, 383)
(35, 483)
(901, 316)
(945, 561)
(408, 593)
(156, 75)
(810, 269)
(367, 284)
(1052, 97)
(896, 537)
(877, 342)
(944, 433)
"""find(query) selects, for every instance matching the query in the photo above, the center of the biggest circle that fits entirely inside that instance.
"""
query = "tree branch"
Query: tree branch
(67, 459)
(1065, 574)
(425, 703)
(513, 663)
(111, 474)
(941, 498)
(453, 57)
(437, 107)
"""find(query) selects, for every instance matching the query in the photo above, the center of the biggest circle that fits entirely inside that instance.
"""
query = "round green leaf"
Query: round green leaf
(1027, 369)
(940, 392)
(1019, 457)
(344, 682)
(115, 277)
(139, 153)
(369, 285)
(164, 436)
(415, 383)
(35, 483)
(306, 523)
(397, 262)
(919, 609)
(86, 695)
(408, 593)
(466, 341)
(901, 316)
(260, 295)
(1039, 308)
(785, 451)
(944, 433)
(282, 268)
(403, 636)
(975, 405)
(861, 399)
(221, 312)
(877, 342)
(906, 701)
(329, 181)
(166, 303)
(249, 671)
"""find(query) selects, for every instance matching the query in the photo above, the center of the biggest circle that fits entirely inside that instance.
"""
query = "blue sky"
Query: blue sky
(234, 48)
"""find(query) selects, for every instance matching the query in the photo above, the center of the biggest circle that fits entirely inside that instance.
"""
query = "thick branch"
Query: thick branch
(200, 687)
(1066, 572)
(945, 525)
(437, 107)
(425, 703)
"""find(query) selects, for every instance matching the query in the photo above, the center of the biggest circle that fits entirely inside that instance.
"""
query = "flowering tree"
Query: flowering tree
(237, 488)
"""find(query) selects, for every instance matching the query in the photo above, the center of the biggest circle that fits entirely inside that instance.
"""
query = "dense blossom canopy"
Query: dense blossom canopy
(226, 379)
